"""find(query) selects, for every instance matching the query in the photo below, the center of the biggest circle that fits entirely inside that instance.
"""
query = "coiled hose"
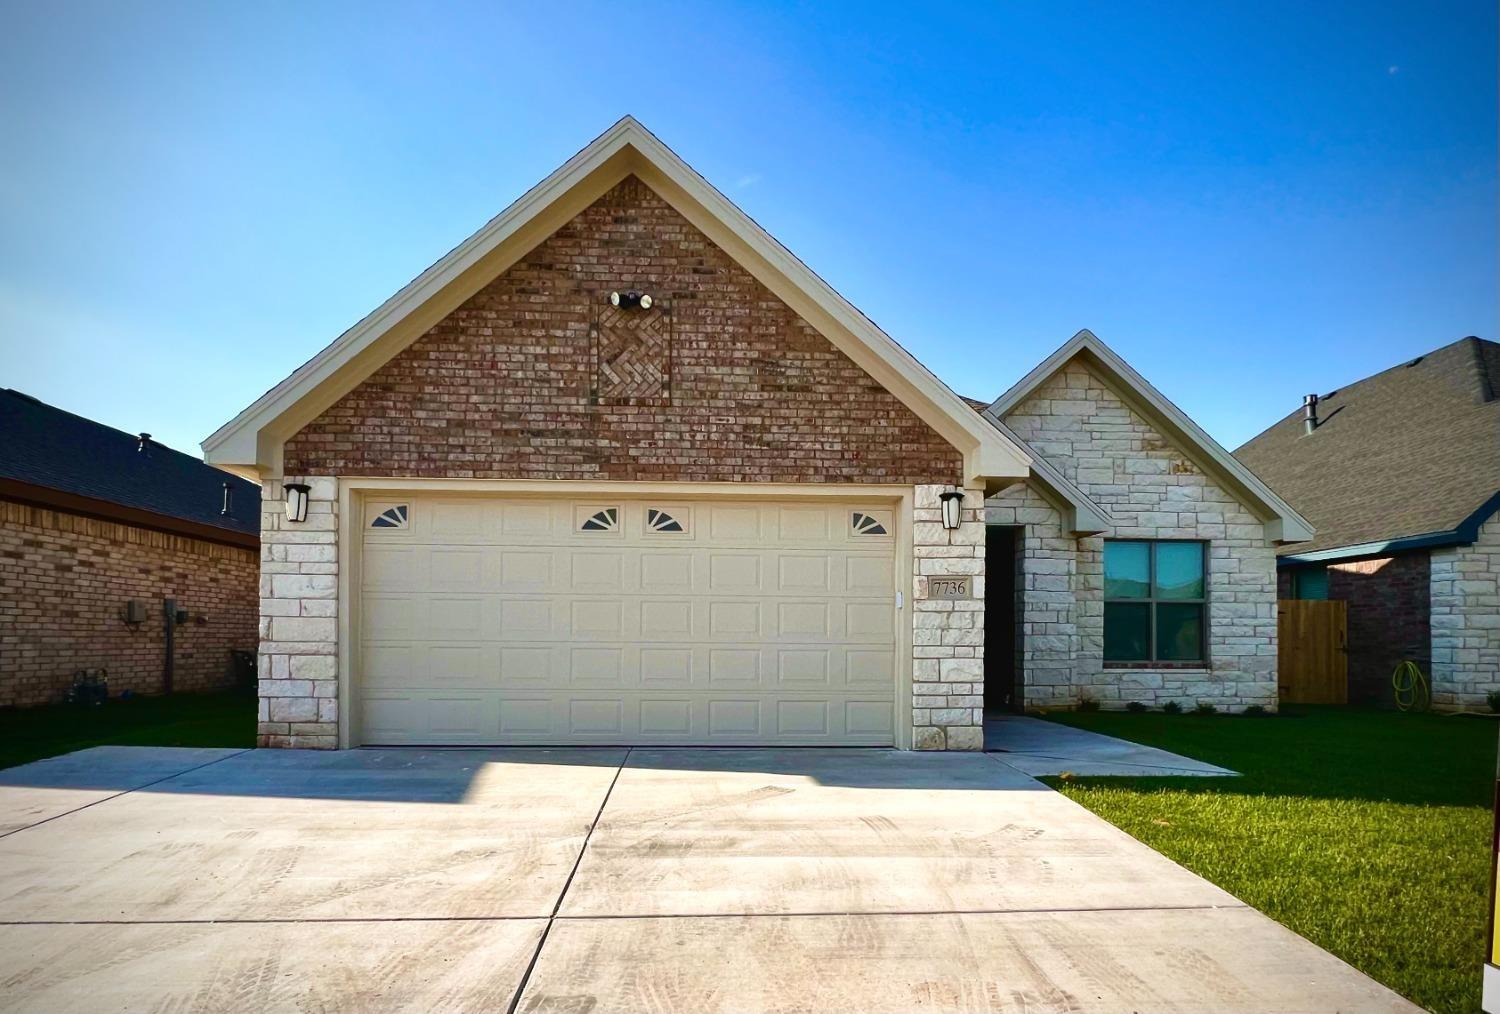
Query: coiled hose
(1412, 692)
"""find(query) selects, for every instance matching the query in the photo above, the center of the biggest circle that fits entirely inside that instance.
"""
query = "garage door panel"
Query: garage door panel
(806, 621)
(593, 667)
(803, 523)
(489, 620)
(666, 620)
(868, 667)
(803, 668)
(392, 568)
(598, 570)
(524, 570)
(666, 667)
(733, 667)
(520, 665)
(868, 575)
(667, 572)
(800, 573)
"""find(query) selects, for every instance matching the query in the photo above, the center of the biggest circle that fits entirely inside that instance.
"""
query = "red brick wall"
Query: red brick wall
(64, 582)
(503, 387)
(1389, 619)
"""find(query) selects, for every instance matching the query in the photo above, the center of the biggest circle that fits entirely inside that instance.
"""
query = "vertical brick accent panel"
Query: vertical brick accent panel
(64, 583)
(1466, 621)
(1153, 491)
(503, 387)
(948, 635)
(299, 569)
(1389, 619)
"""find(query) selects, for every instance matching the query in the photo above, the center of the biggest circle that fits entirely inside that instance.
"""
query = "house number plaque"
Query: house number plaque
(950, 587)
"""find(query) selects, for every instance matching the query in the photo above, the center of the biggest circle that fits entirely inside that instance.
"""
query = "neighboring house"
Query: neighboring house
(1400, 473)
(93, 520)
(523, 503)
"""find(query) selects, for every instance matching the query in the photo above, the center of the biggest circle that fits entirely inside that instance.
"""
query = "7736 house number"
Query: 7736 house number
(950, 587)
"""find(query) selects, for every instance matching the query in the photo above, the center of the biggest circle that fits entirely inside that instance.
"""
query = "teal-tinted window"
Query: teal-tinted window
(1127, 570)
(1127, 631)
(1310, 583)
(1155, 601)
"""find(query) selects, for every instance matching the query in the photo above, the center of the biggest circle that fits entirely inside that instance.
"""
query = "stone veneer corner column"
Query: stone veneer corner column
(947, 635)
(299, 568)
(1465, 596)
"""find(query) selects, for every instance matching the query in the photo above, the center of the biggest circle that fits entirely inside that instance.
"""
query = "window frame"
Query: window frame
(1151, 601)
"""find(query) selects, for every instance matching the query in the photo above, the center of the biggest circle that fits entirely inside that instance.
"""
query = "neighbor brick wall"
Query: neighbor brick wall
(1466, 621)
(1388, 619)
(1153, 491)
(948, 634)
(502, 387)
(64, 583)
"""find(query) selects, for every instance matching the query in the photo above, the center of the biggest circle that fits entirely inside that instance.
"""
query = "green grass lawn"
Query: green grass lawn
(222, 719)
(1366, 832)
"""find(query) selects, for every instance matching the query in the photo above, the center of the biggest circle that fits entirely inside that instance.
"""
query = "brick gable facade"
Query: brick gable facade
(511, 384)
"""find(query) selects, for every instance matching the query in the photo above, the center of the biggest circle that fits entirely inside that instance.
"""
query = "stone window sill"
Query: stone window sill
(1173, 666)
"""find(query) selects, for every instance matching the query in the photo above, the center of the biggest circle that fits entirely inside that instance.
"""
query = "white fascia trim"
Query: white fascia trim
(1283, 523)
(254, 437)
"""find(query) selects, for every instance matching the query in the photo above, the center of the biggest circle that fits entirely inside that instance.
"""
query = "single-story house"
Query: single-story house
(117, 554)
(1400, 473)
(621, 469)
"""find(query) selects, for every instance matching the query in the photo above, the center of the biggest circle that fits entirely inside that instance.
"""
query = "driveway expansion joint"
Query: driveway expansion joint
(515, 1000)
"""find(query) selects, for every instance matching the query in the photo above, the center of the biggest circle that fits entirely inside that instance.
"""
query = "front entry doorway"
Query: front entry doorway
(1002, 666)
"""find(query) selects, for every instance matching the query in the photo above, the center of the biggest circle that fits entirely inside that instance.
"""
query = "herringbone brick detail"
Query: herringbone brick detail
(632, 354)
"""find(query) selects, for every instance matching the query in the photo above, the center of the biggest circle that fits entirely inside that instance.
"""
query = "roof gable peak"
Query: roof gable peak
(1283, 523)
(252, 442)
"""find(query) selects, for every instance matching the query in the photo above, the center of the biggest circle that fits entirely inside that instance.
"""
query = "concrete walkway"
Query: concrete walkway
(1039, 747)
(611, 880)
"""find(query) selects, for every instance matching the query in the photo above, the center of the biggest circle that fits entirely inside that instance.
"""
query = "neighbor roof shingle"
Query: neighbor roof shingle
(1410, 451)
(46, 446)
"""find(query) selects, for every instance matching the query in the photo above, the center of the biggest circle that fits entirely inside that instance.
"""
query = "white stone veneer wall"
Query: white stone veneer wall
(947, 635)
(1465, 588)
(1153, 491)
(299, 619)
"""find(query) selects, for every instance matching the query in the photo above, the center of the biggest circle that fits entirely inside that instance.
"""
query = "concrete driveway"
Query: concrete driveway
(609, 880)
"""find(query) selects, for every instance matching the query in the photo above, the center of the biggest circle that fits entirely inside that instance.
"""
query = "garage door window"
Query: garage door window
(394, 517)
(600, 519)
(661, 522)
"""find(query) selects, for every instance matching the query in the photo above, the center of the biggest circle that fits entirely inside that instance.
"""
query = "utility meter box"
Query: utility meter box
(135, 611)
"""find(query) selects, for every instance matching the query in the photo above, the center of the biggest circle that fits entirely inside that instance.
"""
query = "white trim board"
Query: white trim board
(251, 443)
(1283, 523)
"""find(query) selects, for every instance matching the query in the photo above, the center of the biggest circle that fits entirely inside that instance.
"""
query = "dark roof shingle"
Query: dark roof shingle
(1412, 450)
(46, 446)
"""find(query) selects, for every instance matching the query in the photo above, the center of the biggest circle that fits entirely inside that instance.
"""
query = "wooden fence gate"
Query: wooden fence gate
(1312, 651)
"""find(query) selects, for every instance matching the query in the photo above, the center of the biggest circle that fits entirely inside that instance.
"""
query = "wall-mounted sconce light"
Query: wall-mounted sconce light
(296, 501)
(953, 499)
(630, 300)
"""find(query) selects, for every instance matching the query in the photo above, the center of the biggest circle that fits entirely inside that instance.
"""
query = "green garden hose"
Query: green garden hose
(1412, 692)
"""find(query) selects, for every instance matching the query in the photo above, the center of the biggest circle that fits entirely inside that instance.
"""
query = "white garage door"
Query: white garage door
(486, 620)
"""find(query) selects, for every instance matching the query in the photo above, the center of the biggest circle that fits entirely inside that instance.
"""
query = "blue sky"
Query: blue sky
(1248, 201)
